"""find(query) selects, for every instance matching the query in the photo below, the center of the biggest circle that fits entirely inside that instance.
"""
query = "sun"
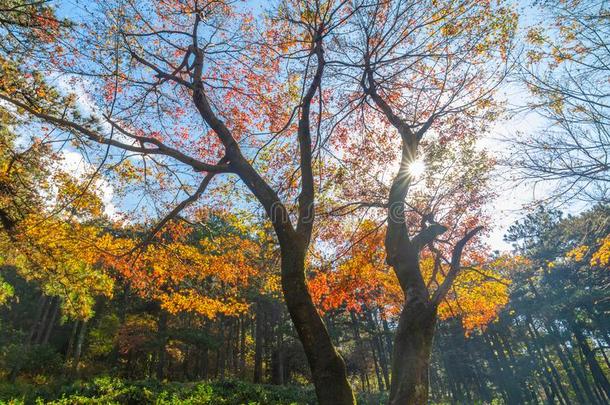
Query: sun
(417, 168)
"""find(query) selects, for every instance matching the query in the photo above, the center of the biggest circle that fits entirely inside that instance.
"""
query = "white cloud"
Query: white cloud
(86, 105)
(75, 164)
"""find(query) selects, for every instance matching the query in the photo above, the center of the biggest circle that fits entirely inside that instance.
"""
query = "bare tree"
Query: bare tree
(567, 72)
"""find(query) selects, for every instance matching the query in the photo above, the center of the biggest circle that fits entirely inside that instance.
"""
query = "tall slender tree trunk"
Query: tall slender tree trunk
(596, 371)
(387, 333)
(550, 389)
(51, 324)
(42, 302)
(378, 341)
(221, 358)
(516, 388)
(43, 322)
(78, 349)
(327, 367)
(242, 347)
(564, 362)
(71, 340)
(205, 361)
(161, 353)
(359, 348)
(451, 381)
(380, 384)
(258, 344)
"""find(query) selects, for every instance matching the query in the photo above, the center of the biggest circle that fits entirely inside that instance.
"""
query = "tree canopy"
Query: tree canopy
(302, 192)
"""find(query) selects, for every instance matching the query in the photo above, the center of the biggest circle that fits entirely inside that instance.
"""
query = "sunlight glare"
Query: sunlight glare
(417, 168)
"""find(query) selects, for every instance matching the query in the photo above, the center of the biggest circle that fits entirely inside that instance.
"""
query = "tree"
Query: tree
(565, 71)
(363, 280)
(45, 240)
(453, 187)
(420, 64)
(181, 64)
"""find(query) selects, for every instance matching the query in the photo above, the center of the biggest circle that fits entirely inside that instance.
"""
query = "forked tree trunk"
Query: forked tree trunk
(415, 331)
(411, 358)
(327, 367)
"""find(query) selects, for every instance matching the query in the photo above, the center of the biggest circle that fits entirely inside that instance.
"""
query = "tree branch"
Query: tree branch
(179, 208)
(306, 197)
(427, 235)
(456, 258)
(161, 148)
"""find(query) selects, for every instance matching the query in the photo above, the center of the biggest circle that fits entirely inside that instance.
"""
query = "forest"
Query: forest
(332, 202)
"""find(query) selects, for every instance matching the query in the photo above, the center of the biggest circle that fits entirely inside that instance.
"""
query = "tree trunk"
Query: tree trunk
(596, 371)
(411, 357)
(387, 333)
(258, 345)
(162, 336)
(43, 322)
(79, 348)
(359, 348)
(380, 385)
(229, 345)
(205, 361)
(71, 340)
(564, 362)
(51, 325)
(516, 387)
(327, 367)
(42, 302)
(378, 342)
(221, 352)
(551, 390)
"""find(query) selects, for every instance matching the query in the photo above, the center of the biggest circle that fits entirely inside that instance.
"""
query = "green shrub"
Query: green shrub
(31, 360)
(114, 390)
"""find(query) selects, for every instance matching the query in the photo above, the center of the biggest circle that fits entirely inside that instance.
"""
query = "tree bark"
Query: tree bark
(513, 387)
(550, 388)
(378, 342)
(162, 336)
(205, 361)
(327, 367)
(71, 340)
(258, 345)
(564, 362)
(51, 324)
(242, 347)
(42, 302)
(43, 322)
(380, 385)
(79, 348)
(596, 371)
(359, 348)
(411, 357)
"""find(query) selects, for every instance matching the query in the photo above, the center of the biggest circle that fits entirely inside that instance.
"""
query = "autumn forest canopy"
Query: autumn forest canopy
(399, 202)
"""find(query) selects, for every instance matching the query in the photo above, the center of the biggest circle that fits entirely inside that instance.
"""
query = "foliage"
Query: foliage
(114, 390)
(565, 72)
(293, 189)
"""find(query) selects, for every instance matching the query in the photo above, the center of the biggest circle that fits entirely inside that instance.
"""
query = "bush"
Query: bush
(31, 360)
(112, 390)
